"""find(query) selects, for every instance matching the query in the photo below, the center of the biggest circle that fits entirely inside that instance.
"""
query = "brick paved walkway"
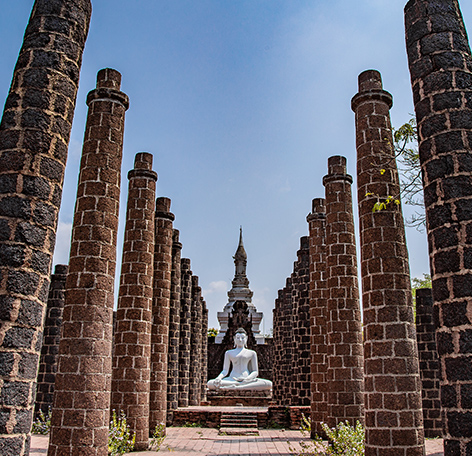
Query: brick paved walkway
(202, 441)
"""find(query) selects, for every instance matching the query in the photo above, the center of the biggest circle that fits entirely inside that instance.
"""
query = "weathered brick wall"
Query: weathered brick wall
(441, 75)
(318, 314)
(174, 329)
(160, 311)
(185, 327)
(195, 373)
(51, 336)
(393, 414)
(345, 373)
(82, 389)
(429, 363)
(132, 338)
(34, 136)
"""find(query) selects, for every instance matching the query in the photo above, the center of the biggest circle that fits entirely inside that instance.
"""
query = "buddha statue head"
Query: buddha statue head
(240, 338)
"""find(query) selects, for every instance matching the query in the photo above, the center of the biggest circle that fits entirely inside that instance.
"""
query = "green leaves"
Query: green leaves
(343, 440)
(42, 425)
(119, 437)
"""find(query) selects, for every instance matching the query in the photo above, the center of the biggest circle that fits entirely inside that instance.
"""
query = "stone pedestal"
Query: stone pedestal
(226, 397)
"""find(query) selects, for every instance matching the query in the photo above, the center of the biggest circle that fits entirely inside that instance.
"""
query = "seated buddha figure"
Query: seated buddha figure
(244, 372)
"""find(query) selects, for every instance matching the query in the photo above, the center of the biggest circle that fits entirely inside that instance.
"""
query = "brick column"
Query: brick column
(345, 374)
(34, 136)
(294, 303)
(441, 75)
(318, 314)
(285, 343)
(288, 336)
(204, 351)
(300, 381)
(83, 380)
(185, 327)
(195, 390)
(132, 339)
(277, 378)
(393, 415)
(160, 311)
(51, 336)
(174, 330)
(429, 364)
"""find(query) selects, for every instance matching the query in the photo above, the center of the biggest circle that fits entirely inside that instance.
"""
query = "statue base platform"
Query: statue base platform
(226, 397)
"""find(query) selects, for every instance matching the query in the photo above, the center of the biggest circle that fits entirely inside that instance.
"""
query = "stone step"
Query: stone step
(238, 420)
(238, 425)
(238, 431)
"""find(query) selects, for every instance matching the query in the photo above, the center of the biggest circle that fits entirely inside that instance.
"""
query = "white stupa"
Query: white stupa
(240, 292)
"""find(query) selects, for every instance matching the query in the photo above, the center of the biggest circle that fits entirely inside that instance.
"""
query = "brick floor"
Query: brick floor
(182, 441)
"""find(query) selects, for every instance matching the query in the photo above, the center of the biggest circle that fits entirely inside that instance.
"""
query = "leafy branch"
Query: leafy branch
(405, 147)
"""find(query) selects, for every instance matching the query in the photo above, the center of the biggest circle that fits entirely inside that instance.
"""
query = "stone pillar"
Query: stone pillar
(132, 339)
(34, 136)
(160, 311)
(204, 351)
(195, 390)
(285, 343)
(393, 415)
(83, 380)
(185, 327)
(429, 364)
(345, 373)
(174, 330)
(318, 314)
(300, 381)
(51, 336)
(441, 75)
(277, 388)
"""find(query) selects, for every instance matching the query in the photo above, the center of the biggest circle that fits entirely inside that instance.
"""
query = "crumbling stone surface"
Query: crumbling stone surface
(132, 338)
(83, 381)
(318, 314)
(440, 65)
(345, 372)
(160, 310)
(393, 414)
(429, 363)
(34, 136)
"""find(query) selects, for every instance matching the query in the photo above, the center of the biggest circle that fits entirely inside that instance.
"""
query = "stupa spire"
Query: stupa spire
(240, 291)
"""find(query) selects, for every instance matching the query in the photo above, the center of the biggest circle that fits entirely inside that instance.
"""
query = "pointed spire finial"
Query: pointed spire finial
(240, 252)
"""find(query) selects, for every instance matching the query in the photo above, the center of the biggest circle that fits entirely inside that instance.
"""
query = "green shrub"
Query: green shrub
(119, 439)
(157, 437)
(42, 425)
(197, 424)
(343, 440)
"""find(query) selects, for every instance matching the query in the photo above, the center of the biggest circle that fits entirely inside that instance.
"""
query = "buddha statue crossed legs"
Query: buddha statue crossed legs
(244, 372)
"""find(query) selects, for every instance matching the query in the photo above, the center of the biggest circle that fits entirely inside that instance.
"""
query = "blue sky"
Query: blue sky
(241, 103)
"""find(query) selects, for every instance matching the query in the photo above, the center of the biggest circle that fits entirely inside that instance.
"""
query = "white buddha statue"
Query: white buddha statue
(244, 370)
